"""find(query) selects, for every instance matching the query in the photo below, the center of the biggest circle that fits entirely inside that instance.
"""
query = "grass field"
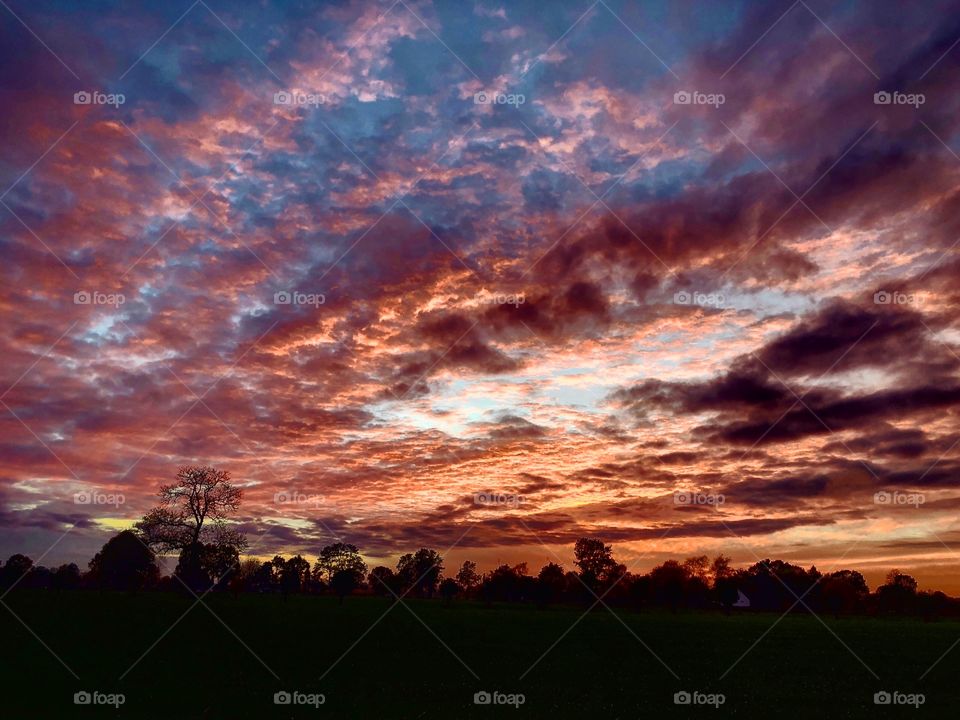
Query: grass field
(399, 669)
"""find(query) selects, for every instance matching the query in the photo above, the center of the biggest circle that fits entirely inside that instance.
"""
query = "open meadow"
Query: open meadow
(371, 658)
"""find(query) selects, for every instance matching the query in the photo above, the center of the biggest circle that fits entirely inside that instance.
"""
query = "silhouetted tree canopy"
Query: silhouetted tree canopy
(449, 589)
(596, 563)
(66, 577)
(344, 582)
(191, 520)
(204, 565)
(508, 583)
(382, 581)
(15, 570)
(467, 576)
(124, 563)
(899, 594)
(341, 567)
(551, 584)
(843, 591)
(337, 557)
(420, 572)
(294, 575)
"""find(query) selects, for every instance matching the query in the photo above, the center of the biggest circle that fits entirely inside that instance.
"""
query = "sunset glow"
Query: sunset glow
(679, 276)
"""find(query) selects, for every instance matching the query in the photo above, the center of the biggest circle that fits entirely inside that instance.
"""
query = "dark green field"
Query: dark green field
(400, 670)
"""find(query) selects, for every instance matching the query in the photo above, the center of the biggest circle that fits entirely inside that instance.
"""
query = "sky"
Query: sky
(487, 277)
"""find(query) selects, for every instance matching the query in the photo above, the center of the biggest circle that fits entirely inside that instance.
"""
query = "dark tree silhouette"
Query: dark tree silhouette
(725, 583)
(697, 568)
(551, 584)
(243, 580)
(420, 572)
(776, 585)
(337, 557)
(341, 567)
(191, 520)
(382, 581)
(66, 577)
(507, 583)
(720, 568)
(726, 591)
(697, 589)
(295, 575)
(344, 582)
(39, 578)
(124, 563)
(15, 570)
(203, 566)
(266, 578)
(596, 563)
(669, 584)
(449, 589)
(467, 577)
(930, 606)
(899, 594)
(843, 591)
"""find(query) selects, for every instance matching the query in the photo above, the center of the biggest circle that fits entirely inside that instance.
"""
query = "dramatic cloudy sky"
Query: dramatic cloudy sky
(587, 293)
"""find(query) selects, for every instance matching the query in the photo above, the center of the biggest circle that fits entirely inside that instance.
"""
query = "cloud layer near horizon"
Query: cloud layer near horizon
(593, 299)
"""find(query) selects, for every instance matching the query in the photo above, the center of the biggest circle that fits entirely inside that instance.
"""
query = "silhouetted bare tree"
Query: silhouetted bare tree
(191, 519)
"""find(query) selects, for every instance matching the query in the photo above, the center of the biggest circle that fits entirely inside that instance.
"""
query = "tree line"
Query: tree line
(191, 519)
